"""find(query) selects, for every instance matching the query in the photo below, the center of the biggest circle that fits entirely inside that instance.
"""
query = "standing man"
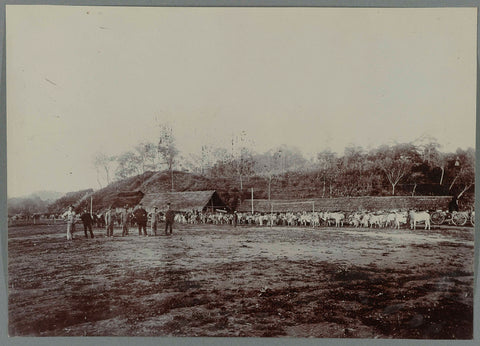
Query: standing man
(70, 216)
(109, 222)
(453, 205)
(141, 217)
(235, 219)
(153, 221)
(169, 218)
(124, 217)
(87, 222)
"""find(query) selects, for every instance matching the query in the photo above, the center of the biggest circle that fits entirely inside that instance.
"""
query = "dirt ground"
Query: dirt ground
(223, 281)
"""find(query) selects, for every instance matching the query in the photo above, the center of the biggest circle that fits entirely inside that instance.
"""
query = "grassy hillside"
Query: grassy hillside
(293, 185)
(70, 198)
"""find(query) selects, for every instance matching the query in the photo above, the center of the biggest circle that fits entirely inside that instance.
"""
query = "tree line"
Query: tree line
(284, 172)
(400, 168)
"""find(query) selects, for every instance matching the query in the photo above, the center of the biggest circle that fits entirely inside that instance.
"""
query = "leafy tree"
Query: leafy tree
(327, 164)
(147, 156)
(431, 155)
(351, 170)
(288, 159)
(396, 161)
(418, 175)
(465, 170)
(128, 164)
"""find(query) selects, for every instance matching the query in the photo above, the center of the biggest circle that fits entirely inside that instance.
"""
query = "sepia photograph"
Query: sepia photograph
(241, 171)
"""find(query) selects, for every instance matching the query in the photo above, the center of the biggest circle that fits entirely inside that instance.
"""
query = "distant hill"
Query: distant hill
(36, 202)
(48, 196)
(27, 206)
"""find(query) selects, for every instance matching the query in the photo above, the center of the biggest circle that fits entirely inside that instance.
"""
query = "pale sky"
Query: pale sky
(87, 79)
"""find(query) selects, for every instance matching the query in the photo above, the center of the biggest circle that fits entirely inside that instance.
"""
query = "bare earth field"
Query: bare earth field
(245, 281)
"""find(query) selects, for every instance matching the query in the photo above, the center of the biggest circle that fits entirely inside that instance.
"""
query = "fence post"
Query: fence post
(252, 200)
(271, 214)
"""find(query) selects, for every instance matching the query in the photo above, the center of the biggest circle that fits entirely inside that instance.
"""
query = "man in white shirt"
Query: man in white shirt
(109, 219)
(153, 221)
(70, 216)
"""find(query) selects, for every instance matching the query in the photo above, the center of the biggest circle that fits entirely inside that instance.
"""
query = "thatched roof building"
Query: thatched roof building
(185, 201)
(130, 198)
(347, 204)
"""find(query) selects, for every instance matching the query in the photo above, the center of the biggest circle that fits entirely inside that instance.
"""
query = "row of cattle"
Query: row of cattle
(391, 219)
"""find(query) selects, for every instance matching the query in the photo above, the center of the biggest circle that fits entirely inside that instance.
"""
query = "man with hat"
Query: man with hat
(87, 222)
(109, 222)
(70, 216)
(235, 219)
(153, 220)
(141, 218)
(169, 218)
(453, 205)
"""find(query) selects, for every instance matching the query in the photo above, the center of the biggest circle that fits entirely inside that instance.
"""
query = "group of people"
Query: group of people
(139, 215)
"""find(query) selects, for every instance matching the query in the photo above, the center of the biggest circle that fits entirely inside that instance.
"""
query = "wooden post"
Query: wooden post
(269, 184)
(91, 206)
(271, 214)
(252, 200)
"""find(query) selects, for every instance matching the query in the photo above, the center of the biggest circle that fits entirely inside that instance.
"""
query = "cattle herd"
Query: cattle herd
(378, 219)
(391, 219)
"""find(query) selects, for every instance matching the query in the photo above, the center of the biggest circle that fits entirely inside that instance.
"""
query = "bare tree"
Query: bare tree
(241, 159)
(103, 165)
(244, 165)
(147, 156)
(205, 161)
(267, 166)
(166, 148)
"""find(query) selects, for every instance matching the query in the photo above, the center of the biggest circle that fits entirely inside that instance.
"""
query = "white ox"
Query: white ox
(376, 220)
(421, 216)
(400, 219)
(337, 217)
